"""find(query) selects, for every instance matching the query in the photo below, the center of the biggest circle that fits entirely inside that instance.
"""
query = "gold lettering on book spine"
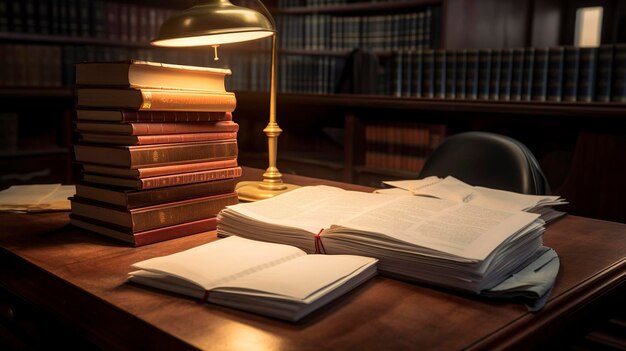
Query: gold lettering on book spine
(155, 156)
(147, 100)
(162, 217)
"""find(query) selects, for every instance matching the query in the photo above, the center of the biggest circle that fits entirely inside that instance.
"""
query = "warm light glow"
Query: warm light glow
(588, 26)
(214, 39)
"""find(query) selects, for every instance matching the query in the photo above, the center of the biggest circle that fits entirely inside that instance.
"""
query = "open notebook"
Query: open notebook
(276, 280)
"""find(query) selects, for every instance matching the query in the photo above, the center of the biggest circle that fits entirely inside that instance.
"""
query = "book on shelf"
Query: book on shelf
(618, 84)
(484, 73)
(496, 71)
(146, 74)
(539, 85)
(275, 280)
(570, 73)
(587, 74)
(145, 237)
(140, 128)
(556, 65)
(156, 99)
(152, 217)
(104, 138)
(128, 116)
(528, 69)
(506, 74)
(146, 172)
(130, 198)
(471, 74)
(165, 180)
(604, 73)
(440, 242)
(155, 155)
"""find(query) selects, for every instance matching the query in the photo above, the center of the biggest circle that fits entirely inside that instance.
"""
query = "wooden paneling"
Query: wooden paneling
(486, 23)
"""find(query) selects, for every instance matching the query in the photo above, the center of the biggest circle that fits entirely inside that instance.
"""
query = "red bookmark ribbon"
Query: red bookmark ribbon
(319, 246)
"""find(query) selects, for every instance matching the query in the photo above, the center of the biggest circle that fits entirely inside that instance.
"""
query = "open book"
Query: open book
(280, 281)
(452, 189)
(446, 243)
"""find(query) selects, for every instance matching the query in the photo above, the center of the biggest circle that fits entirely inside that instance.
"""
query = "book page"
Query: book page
(453, 189)
(217, 262)
(303, 279)
(312, 208)
(461, 229)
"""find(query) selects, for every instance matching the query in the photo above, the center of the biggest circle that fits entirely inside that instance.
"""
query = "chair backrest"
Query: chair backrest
(489, 160)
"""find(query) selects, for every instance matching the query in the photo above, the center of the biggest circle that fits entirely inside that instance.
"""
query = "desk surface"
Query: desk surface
(80, 278)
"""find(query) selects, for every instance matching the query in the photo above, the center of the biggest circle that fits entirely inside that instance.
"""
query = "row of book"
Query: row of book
(38, 65)
(316, 31)
(309, 74)
(309, 3)
(401, 145)
(112, 20)
(563, 73)
(158, 149)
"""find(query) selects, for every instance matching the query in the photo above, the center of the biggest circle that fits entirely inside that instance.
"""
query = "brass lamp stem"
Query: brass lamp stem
(272, 179)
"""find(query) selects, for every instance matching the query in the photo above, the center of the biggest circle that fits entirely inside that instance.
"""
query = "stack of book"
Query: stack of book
(158, 149)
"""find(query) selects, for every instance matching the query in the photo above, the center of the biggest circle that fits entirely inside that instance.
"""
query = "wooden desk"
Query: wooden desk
(79, 278)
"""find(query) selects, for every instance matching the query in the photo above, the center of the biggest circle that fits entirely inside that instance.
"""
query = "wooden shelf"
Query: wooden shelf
(29, 92)
(355, 7)
(532, 108)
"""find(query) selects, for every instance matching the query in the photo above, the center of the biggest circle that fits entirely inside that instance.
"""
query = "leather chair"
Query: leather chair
(489, 160)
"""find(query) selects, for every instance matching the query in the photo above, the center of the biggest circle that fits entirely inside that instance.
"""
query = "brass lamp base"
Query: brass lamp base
(257, 190)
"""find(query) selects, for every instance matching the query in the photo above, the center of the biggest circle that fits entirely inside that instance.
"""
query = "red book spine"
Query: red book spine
(179, 128)
(193, 177)
(185, 168)
(183, 138)
(175, 231)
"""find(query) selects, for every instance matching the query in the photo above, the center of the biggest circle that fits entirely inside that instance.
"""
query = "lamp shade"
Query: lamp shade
(213, 22)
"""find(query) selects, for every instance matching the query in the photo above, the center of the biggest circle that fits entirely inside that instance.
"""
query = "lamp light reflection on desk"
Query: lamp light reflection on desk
(216, 22)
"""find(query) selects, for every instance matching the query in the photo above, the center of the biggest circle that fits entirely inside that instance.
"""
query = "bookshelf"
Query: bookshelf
(324, 132)
(39, 43)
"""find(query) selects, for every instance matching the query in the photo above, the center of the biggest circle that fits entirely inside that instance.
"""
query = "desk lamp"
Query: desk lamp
(216, 22)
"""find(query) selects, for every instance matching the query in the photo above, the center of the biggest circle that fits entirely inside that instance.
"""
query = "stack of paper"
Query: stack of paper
(452, 189)
(453, 244)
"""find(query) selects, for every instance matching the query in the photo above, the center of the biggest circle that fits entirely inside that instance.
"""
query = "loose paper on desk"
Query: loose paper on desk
(450, 188)
(36, 198)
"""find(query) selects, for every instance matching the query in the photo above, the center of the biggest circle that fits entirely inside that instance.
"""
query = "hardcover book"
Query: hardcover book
(471, 74)
(146, 237)
(104, 138)
(145, 172)
(604, 73)
(484, 73)
(129, 198)
(556, 64)
(152, 217)
(506, 74)
(155, 155)
(156, 99)
(618, 90)
(165, 180)
(157, 128)
(128, 116)
(275, 280)
(587, 74)
(570, 73)
(540, 75)
(145, 74)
